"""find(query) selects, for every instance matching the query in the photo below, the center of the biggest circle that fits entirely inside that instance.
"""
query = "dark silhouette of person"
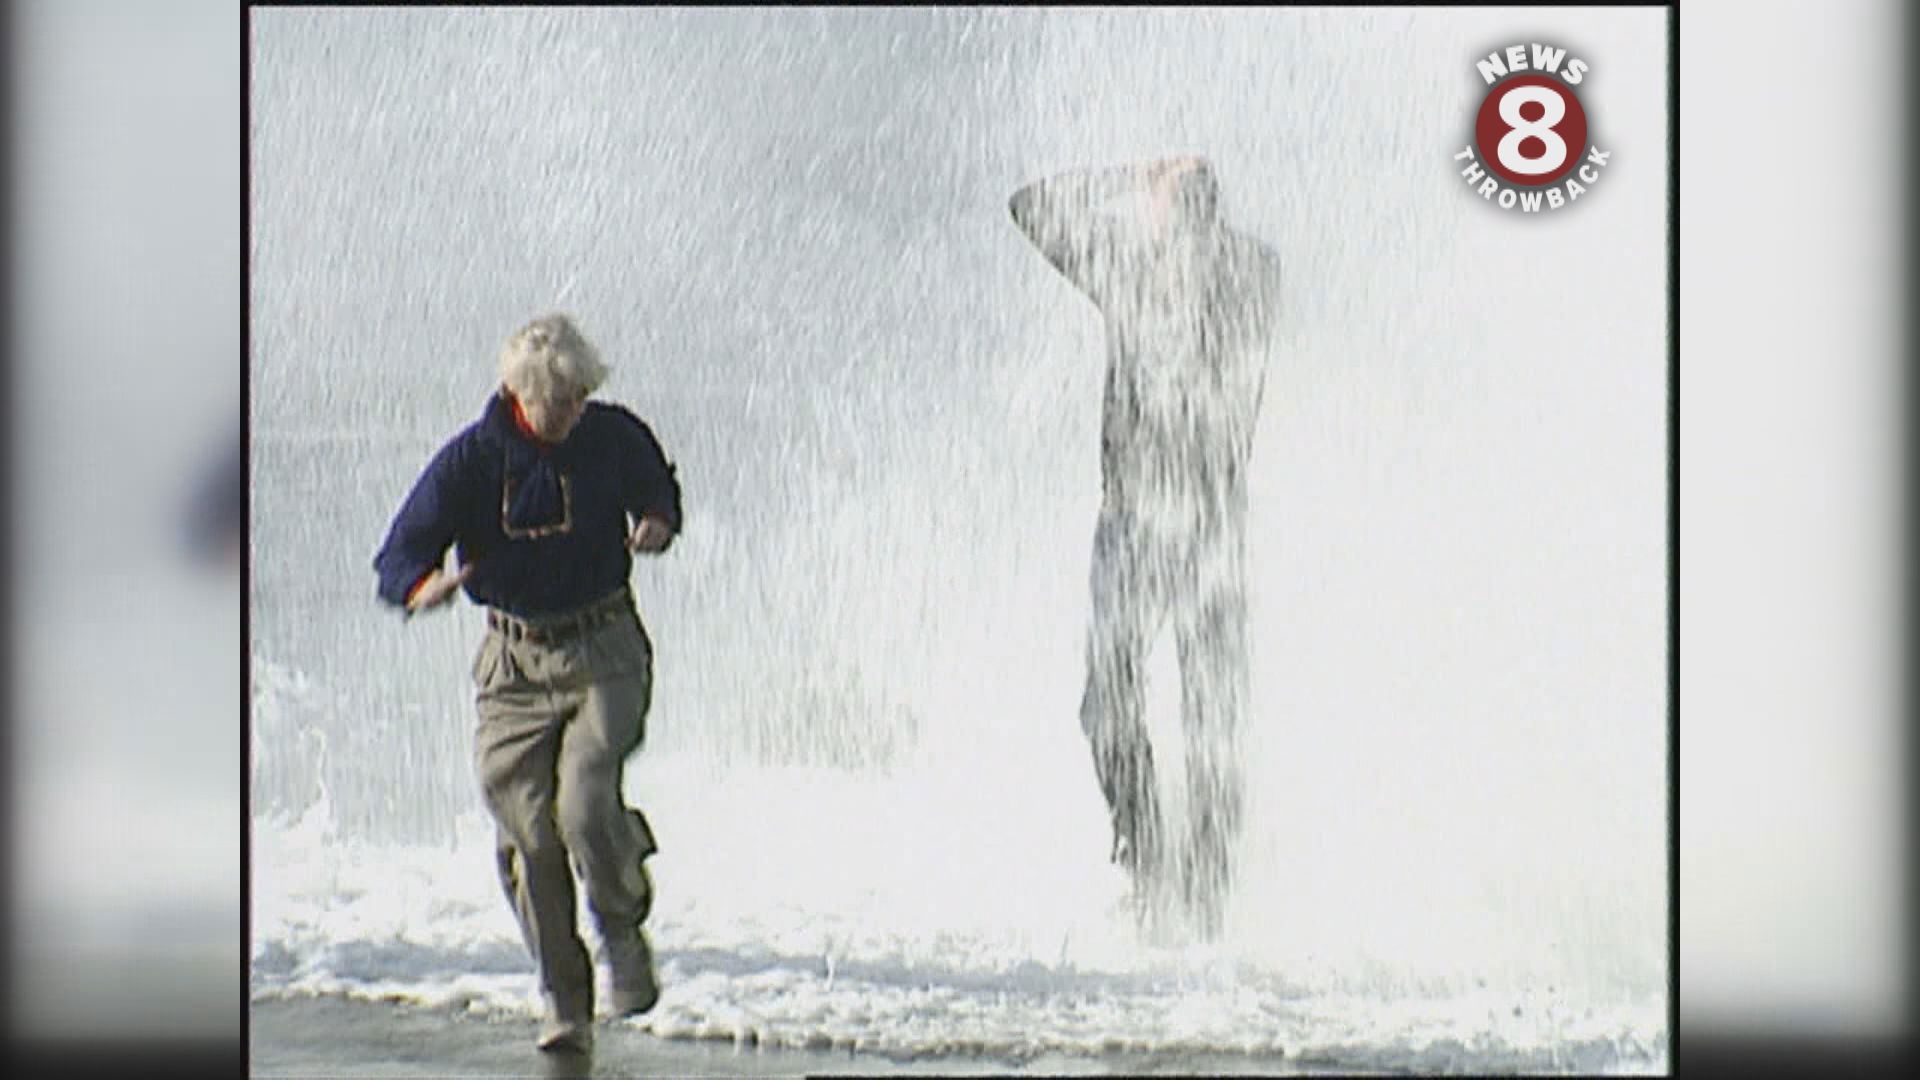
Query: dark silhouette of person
(1190, 306)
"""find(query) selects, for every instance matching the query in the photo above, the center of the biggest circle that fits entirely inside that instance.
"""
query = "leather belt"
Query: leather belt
(561, 629)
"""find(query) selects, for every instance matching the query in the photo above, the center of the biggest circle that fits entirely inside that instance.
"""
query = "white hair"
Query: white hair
(549, 359)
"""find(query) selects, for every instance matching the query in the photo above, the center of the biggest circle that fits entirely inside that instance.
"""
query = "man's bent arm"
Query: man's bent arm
(421, 532)
(1061, 216)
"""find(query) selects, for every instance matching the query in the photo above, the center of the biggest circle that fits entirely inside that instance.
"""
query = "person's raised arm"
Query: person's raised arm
(1062, 216)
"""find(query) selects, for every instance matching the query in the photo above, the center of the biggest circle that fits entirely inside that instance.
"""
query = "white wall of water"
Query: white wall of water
(787, 231)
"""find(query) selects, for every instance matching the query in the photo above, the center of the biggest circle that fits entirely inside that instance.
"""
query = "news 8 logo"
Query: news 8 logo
(1532, 148)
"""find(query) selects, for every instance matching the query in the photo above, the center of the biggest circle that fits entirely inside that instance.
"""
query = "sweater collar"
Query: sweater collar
(508, 421)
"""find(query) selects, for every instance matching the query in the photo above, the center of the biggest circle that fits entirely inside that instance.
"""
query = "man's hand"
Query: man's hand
(1163, 179)
(651, 535)
(1162, 173)
(437, 589)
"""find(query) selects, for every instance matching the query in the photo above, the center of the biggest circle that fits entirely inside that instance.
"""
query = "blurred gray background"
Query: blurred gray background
(125, 772)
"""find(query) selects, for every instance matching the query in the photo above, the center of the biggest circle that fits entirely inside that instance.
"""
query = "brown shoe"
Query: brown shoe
(567, 1029)
(635, 988)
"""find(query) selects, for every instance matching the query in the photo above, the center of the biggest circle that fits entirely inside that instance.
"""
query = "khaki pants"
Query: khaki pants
(562, 704)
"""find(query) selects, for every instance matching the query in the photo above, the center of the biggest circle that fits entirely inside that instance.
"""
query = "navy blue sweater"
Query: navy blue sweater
(545, 527)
